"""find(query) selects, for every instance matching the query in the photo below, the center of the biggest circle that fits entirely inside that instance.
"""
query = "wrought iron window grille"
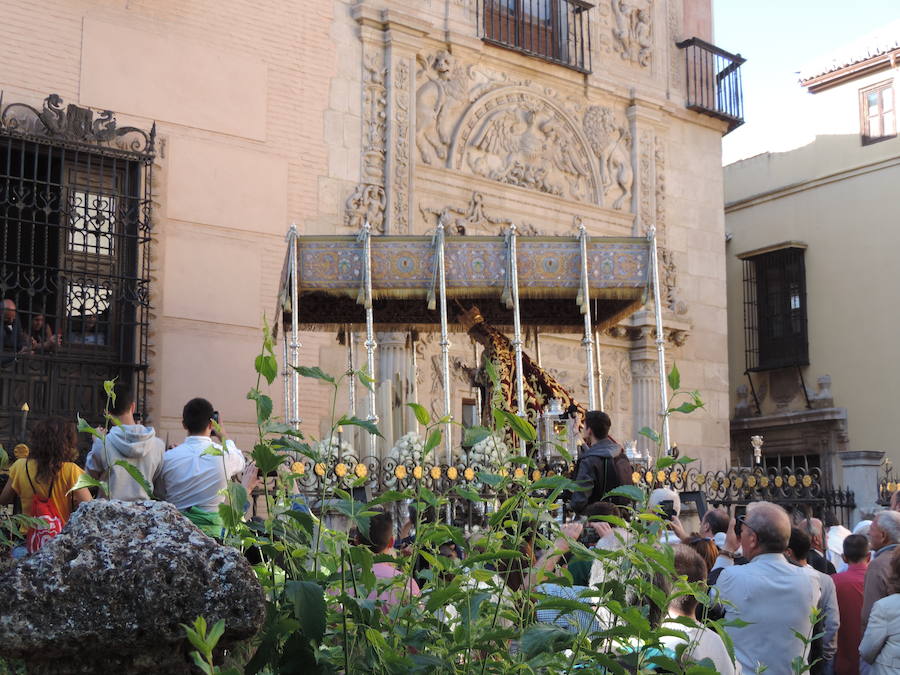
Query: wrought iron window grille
(554, 30)
(713, 81)
(775, 322)
(75, 233)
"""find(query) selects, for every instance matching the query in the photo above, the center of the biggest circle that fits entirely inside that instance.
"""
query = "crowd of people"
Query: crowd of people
(191, 475)
(35, 334)
(791, 590)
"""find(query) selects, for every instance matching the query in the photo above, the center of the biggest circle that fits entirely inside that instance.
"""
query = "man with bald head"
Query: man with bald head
(884, 535)
(774, 597)
(12, 337)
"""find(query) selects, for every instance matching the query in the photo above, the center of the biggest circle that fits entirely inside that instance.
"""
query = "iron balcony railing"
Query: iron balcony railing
(553, 30)
(714, 81)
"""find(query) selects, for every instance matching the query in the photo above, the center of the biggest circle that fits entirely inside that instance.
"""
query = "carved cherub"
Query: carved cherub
(444, 83)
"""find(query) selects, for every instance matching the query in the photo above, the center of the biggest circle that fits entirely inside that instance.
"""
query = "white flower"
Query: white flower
(326, 449)
(490, 453)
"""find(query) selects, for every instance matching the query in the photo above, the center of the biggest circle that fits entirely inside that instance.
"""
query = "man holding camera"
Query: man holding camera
(195, 472)
(596, 471)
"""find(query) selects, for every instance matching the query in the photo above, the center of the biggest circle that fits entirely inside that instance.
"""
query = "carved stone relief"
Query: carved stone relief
(645, 180)
(520, 139)
(444, 88)
(611, 143)
(474, 219)
(366, 203)
(401, 93)
(631, 32)
(368, 200)
(669, 278)
(660, 157)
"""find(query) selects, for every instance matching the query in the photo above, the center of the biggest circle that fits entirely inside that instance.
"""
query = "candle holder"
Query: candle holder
(757, 443)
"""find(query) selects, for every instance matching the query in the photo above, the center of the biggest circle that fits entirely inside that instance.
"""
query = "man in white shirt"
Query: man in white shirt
(195, 473)
(774, 597)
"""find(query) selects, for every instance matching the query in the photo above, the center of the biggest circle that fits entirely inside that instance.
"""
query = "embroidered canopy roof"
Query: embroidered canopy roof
(331, 275)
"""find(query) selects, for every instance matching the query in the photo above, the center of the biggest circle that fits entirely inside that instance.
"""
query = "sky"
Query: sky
(779, 37)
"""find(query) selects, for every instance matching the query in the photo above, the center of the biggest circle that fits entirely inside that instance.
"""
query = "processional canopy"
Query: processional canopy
(331, 272)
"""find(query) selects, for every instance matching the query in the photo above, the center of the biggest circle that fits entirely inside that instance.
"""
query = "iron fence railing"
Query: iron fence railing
(554, 30)
(798, 489)
(714, 81)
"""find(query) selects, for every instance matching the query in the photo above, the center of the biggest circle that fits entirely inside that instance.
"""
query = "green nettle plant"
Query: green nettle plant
(323, 615)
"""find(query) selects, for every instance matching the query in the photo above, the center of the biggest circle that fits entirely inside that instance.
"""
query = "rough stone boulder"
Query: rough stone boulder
(108, 593)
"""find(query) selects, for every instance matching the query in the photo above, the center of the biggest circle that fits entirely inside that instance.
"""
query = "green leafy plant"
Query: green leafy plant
(323, 613)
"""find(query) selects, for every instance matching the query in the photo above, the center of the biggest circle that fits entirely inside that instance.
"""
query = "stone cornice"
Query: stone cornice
(790, 418)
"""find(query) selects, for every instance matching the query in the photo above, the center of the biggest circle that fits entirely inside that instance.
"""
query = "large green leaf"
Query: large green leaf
(362, 557)
(266, 460)
(84, 427)
(86, 480)
(138, 477)
(232, 511)
(314, 372)
(308, 600)
(267, 366)
(544, 637)
(674, 378)
(368, 425)
(685, 407)
(647, 432)
(520, 426)
(263, 406)
(365, 379)
(474, 435)
(423, 417)
(665, 462)
(632, 492)
(434, 439)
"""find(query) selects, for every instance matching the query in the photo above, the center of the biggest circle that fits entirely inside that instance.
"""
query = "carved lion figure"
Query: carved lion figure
(611, 143)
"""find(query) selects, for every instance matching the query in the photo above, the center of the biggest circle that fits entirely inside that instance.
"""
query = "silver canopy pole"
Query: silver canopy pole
(599, 371)
(584, 300)
(293, 275)
(660, 337)
(286, 371)
(351, 382)
(517, 329)
(371, 345)
(445, 340)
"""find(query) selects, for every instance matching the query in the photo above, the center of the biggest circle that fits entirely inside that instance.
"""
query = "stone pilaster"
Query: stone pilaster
(860, 472)
(393, 375)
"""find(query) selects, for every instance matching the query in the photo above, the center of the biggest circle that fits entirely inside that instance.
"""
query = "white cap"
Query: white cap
(660, 495)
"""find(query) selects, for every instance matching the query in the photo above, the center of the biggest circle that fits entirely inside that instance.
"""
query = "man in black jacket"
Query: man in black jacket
(595, 470)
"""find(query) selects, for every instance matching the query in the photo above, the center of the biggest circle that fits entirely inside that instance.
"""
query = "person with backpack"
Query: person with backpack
(42, 480)
(602, 467)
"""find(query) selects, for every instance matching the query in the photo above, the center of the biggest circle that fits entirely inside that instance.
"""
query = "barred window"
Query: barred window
(74, 260)
(555, 30)
(775, 309)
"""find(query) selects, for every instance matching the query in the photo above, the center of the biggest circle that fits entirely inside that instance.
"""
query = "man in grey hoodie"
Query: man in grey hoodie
(132, 442)
(595, 470)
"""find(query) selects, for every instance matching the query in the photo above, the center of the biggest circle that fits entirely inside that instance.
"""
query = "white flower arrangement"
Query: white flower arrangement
(490, 453)
(326, 449)
(408, 449)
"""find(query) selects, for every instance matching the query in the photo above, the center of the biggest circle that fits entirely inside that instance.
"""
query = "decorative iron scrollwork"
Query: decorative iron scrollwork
(74, 124)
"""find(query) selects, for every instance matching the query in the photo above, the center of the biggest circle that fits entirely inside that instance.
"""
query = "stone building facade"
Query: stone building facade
(331, 113)
(810, 276)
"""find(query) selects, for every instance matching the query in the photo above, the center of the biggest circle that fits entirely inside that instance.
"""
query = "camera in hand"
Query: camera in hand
(667, 506)
(589, 536)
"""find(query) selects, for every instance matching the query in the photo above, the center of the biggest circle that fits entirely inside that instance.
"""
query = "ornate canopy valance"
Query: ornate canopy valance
(331, 271)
